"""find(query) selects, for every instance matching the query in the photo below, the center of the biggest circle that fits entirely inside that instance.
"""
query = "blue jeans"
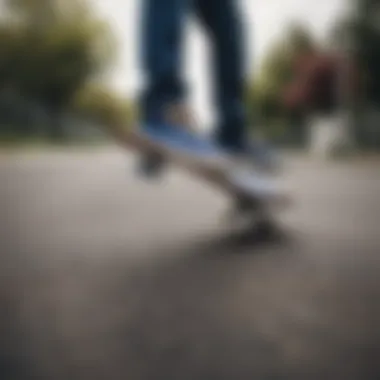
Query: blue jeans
(162, 30)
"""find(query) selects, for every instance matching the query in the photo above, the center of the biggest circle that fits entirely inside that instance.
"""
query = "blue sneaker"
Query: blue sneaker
(178, 132)
(258, 155)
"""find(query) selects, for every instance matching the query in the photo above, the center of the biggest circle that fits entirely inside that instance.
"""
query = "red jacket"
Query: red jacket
(318, 83)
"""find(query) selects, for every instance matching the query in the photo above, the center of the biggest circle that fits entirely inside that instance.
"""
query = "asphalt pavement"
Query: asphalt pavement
(104, 276)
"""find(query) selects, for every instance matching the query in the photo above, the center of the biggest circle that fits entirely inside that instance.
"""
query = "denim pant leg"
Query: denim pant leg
(223, 24)
(162, 48)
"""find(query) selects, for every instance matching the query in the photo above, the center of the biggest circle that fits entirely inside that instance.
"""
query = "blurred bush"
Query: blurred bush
(101, 105)
(52, 50)
(277, 71)
(300, 78)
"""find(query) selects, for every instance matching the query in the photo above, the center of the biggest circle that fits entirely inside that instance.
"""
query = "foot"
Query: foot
(177, 115)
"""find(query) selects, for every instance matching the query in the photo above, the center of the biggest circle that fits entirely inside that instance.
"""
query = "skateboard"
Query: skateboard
(203, 159)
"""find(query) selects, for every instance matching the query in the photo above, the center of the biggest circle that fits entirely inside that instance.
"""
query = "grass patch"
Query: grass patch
(38, 144)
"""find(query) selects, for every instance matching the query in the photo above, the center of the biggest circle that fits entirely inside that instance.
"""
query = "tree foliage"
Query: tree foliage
(367, 23)
(100, 104)
(360, 34)
(52, 49)
(52, 54)
(277, 70)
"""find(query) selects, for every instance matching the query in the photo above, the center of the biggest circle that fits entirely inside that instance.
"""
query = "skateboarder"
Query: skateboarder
(163, 103)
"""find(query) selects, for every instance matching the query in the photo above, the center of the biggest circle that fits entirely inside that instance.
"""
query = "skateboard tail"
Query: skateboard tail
(265, 190)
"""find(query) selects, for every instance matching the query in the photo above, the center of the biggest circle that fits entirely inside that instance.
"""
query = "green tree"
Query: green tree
(265, 91)
(359, 32)
(97, 103)
(368, 41)
(53, 48)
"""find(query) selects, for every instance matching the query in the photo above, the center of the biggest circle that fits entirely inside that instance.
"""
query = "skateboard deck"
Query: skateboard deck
(205, 160)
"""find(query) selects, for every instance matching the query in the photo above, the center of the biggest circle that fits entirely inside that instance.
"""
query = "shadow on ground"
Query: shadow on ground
(94, 286)
(203, 310)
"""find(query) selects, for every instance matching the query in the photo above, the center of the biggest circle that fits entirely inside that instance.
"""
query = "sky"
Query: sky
(265, 21)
